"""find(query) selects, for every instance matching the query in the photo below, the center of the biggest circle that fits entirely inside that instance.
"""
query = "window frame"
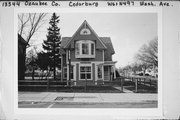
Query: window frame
(72, 72)
(64, 72)
(85, 65)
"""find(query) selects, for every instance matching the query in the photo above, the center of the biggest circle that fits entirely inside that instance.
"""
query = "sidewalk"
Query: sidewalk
(85, 97)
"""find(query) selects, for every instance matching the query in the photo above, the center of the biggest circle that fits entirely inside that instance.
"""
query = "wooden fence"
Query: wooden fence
(139, 80)
(40, 85)
(50, 84)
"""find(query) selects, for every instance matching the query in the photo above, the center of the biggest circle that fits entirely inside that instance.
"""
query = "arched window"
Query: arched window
(85, 31)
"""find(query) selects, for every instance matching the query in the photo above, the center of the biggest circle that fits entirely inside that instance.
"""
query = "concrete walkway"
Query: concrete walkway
(124, 90)
(85, 97)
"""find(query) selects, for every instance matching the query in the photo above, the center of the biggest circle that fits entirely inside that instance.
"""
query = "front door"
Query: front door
(106, 73)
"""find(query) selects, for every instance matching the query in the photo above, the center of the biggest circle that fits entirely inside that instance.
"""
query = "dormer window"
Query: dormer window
(85, 49)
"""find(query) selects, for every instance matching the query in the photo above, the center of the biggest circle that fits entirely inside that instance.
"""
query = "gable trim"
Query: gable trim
(96, 35)
(91, 30)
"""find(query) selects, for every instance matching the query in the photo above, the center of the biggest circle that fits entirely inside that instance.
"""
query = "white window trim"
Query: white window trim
(82, 65)
(80, 49)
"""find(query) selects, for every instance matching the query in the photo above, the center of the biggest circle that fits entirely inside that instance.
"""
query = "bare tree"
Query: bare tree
(149, 53)
(29, 24)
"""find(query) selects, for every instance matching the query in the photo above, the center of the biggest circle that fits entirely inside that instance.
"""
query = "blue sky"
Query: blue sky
(128, 31)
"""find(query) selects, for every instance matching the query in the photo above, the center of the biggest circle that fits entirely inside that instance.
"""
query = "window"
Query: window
(85, 49)
(85, 72)
(72, 72)
(65, 73)
(77, 48)
(92, 49)
(85, 31)
(99, 71)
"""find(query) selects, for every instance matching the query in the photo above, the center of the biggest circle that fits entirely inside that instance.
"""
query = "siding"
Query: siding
(83, 82)
(92, 37)
(98, 57)
(77, 72)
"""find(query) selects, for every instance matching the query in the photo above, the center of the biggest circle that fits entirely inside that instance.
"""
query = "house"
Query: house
(21, 57)
(87, 58)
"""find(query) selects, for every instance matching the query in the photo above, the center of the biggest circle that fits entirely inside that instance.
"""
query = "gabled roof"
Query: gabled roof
(65, 41)
(21, 40)
(108, 43)
(77, 36)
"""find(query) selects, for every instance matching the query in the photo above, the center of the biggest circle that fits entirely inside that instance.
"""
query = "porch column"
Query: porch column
(114, 71)
(103, 73)
(67, 73)
(110, 72)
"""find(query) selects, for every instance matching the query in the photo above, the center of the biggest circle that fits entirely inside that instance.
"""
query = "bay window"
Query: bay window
(85, 49)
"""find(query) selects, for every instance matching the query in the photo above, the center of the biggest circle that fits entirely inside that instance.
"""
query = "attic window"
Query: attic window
(85, 31)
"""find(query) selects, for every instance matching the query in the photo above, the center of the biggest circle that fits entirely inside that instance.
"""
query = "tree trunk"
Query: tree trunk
(24, 64)
(33, 73)
(54, 73)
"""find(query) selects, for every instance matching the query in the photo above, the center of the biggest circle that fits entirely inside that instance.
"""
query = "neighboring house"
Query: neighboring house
(21, 57)
(90, 57)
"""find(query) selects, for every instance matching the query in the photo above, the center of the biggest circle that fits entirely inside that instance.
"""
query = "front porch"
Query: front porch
(109, 70)
(90, 73)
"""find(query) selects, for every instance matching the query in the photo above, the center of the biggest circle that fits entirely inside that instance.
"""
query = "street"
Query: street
(152, 104)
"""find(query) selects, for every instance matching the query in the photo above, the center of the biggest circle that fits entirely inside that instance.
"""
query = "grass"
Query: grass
(142, 89)
(95, 89)
(78, 89)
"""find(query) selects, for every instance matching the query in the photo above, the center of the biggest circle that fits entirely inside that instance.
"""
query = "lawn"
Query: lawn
(78, 89)
(142, 89)
(91, 89)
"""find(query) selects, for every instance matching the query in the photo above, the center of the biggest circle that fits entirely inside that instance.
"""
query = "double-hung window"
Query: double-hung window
(85, 48)
(71, 72)
(85, 72)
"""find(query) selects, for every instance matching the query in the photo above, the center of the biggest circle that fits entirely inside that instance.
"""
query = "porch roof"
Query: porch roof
(108, 63)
